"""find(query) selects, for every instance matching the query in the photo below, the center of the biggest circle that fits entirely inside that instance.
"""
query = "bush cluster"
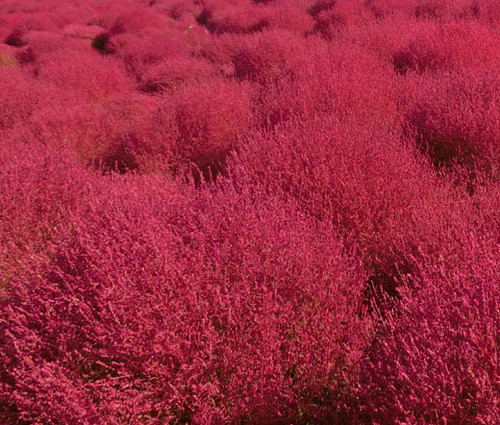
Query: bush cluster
(249, 212)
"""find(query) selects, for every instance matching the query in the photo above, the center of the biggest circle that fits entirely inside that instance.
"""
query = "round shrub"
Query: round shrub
(175, 73)
(221, 51)
(88, 75)
(160, 303)
(434, 360)
(35, 22)
(238, 20)
(110, 135)
(446, 9)
(456, 120)
(41, 45)
(39, 186)
(140, 53)
(343, 17)
(85, 32)
(20, 97)
(385, 199)
(211, 118)
(344, 81)
(137, 21)
(441, 47)
(290, 16)
(267, 56)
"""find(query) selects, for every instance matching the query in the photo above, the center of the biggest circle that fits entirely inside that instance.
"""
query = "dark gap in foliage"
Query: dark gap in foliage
(203, 17)
(401, 62)
(14, 39)
(99, 43)
(118, 159)
(201, 175)
(321, 6)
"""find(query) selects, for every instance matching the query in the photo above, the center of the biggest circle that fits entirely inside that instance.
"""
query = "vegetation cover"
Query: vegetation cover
(250, 212)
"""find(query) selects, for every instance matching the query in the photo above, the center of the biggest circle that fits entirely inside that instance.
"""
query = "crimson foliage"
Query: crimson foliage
(249, 212)
(203, 307)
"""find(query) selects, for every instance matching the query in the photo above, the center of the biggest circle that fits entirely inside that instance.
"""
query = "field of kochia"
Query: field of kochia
(249, 212)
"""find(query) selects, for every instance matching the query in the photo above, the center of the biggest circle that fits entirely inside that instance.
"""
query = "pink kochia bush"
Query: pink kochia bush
(343, 81)
(440, 47)
(206, 120)
(20, 97)
(29, 175)
(33, 22)
(93, 76)
(175, 73)
(270, 55)
(341, 17)
(160, 304)
(139, 52)
(437, 359)
(114, 133)
(334, 170)
(457, 120)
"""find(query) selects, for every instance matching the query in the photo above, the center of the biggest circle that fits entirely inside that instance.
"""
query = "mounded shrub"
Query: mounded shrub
(446, 9)
(40, 185)
(138, 20)
(456, 120)
(290, 16)
(383, 197)
(345, 15)
(221, 51)
(211, 118)
(175, 73)
(20, 97)
(140, 53)
(112, 134)
(434, 361)
(35, 22)
(268, 56)
(343, 81)
(440, 47)
(79, 31)
(87, 75)
(41, 45)
(139, 314)
(238, 20)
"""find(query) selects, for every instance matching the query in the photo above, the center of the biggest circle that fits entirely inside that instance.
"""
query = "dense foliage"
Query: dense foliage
(250, 212)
